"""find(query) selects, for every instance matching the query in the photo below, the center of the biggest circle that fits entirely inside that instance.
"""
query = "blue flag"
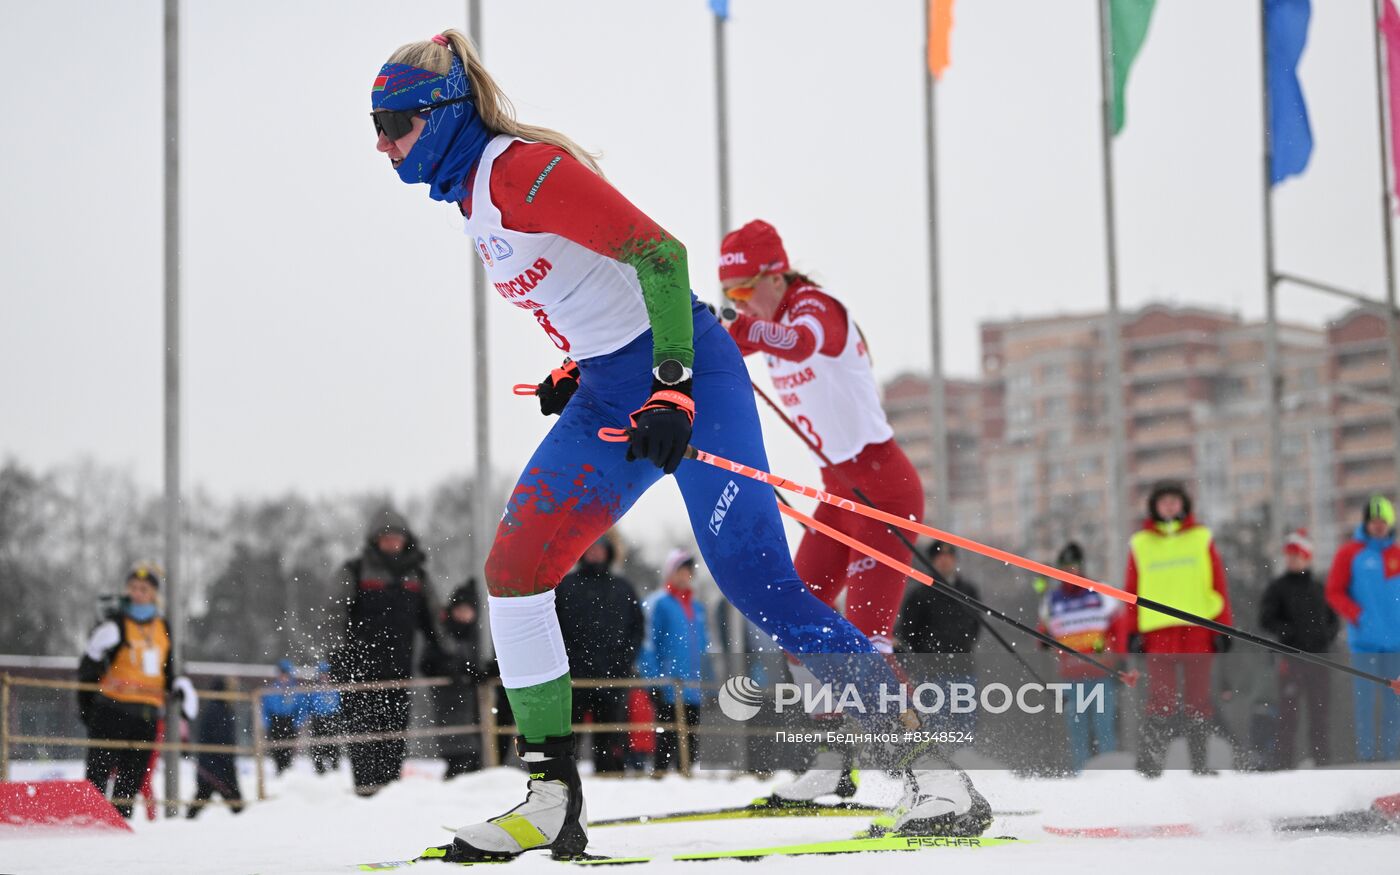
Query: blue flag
(720, 8)
(1286, 24)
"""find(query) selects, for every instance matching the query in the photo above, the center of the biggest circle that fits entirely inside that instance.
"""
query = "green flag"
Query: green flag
(1127, 27)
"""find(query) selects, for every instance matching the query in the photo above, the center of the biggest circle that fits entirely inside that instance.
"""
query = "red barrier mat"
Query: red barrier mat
(72, 804)
(1388, 805)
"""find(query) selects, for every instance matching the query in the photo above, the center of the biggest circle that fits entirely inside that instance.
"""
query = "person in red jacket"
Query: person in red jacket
(820, 366)
(1173, 560)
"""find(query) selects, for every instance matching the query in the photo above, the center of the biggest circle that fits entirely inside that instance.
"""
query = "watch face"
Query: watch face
(670, 372)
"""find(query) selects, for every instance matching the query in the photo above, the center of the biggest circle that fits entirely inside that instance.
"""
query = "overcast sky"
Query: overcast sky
(326, 325)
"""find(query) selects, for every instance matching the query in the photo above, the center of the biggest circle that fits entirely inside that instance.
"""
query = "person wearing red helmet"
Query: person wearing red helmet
(820, 366)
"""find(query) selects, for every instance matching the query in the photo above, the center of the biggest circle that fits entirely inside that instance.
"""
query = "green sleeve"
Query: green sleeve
(661, 269)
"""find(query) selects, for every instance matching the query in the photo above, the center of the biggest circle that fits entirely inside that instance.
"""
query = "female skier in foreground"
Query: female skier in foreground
(610, 289)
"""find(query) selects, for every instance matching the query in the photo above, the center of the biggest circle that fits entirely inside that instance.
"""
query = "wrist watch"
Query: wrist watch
(671, 373)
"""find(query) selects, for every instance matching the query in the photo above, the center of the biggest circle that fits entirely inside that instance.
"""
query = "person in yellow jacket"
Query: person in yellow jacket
(1172, 559)
(128, 656)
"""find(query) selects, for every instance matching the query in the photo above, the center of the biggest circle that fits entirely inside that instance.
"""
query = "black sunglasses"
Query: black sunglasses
(396, 123)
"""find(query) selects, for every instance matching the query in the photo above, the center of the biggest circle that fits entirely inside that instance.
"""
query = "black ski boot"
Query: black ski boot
(552, 817)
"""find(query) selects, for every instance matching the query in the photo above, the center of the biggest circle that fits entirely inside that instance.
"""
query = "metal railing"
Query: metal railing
(487, 727)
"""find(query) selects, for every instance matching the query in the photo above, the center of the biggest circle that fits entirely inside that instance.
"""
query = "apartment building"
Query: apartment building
(1195, 404)
(1363, 412)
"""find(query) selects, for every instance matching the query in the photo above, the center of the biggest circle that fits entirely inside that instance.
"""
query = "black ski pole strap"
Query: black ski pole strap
(1277, 647)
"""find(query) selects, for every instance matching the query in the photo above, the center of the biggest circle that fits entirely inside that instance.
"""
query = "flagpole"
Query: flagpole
(172, 584)
(722, 123)
(1117, 416)
(482, 515)
(735, 621)
(938, 442)
(1387, 235)
(1271, 345)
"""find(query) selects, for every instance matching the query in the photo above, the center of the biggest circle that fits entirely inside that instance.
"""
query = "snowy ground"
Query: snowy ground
(314, 824)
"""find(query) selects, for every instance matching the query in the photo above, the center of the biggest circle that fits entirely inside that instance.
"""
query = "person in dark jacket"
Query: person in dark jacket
(930, 623)
(216, 771)
(601, 620)
(1295, 609)
(388, 604)
(933, 624)
(459, 659)
(128, 656)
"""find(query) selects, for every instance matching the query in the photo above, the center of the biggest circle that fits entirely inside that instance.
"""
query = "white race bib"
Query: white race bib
(150, 662)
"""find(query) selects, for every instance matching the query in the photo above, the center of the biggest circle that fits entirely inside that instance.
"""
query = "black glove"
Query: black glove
(661, 428)
(1221, 643)
(556, 390)
(1135, 643)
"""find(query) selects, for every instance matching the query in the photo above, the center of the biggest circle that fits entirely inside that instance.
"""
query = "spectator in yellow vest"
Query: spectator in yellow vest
(1173, 560)
(129, 657)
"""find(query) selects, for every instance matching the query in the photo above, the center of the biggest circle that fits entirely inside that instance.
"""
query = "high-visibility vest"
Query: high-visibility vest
(137, 671)
(1175, 569)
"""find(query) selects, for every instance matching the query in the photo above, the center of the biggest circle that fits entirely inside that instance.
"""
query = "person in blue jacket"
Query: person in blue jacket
(284, 711)
(674, 644)
(1364, 588)
(323, 711)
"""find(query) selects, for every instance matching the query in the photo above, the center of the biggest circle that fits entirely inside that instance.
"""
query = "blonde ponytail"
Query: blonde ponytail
(495, 109)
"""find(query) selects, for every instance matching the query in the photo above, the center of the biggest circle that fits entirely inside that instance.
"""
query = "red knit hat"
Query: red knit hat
(1298, 544)
(753, 249)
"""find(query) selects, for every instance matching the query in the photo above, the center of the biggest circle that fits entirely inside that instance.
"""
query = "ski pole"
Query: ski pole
(974, 605)
(1129, 678)
(619, 434)
(835, 534)
(784, 506)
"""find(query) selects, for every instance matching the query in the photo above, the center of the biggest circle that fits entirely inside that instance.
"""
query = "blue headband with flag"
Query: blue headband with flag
(452, 139)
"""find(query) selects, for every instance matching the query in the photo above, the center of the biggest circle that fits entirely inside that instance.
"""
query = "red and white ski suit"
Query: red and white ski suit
(820, 367)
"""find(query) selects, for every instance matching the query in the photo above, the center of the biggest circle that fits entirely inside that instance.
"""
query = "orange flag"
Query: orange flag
(940, 27)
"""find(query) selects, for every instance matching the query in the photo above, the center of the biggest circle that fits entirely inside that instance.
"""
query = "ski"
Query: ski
(763, 807)
(857, 846)
(1139, 831)
(1382, 816)
(1359, 821)
(587, 860)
